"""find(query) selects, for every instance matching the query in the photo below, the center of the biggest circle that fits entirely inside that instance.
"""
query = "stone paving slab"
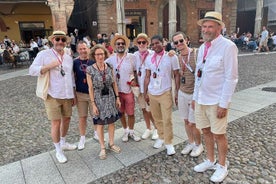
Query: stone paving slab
(12, 173)
(37, 169)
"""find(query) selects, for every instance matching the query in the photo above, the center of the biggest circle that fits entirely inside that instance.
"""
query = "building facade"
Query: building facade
(26, 19)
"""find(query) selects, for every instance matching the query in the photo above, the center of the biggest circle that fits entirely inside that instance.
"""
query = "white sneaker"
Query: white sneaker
(68, 147)
(207, 164)
(61, 157)
(220, 173)
(81, 145)
(188, 148)
(170, 149)
(96, 137)
(134, 137)
(158, 143)
(146, 134)
(154, 134)
(125, 137)
(197, 150)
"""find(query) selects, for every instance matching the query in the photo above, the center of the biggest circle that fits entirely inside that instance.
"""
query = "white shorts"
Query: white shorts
(184, 106)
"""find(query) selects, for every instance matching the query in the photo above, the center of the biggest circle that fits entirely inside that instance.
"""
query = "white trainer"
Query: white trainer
(146, 134)
(220, 173)
(96, 137)
(197, 150)
(125, 137)
(68, 147)
(154, 134)
(170, 149)
(207, 164)
(61, 157)
(187, 149)
(81, 145)
(158, 143)
(134, 137)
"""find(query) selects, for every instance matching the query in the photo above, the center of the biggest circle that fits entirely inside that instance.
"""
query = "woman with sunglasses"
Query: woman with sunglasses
(103, 92)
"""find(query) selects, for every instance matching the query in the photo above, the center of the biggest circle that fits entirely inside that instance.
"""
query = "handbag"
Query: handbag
(43, 85)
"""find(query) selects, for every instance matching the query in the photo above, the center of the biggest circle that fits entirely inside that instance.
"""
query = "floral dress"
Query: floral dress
(105, 102)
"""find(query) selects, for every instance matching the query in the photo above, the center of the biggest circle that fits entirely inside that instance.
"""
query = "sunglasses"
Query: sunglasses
(99, 54)
(120, 43)
(141, 42)
(179, 41)
(62, 39)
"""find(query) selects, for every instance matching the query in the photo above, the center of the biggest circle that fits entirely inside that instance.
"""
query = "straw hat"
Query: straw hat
(116, 37)
(59, 34)
(141, 35)
(212, 16)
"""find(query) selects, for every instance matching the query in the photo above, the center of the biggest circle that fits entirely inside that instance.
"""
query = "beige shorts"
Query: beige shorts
(58, 108)
(84, 104)
(263, 43)
(142, 103)
(206, 116)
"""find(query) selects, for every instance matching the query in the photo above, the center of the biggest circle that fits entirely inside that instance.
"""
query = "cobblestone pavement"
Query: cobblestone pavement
(25, 131)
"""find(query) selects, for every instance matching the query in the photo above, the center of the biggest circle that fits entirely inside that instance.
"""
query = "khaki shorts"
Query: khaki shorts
(142, 103)
(206, 116)
(263, 43)
(84, 104)
(58, 108)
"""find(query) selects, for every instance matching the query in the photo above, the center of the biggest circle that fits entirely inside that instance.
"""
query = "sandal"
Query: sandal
(114, 148)
(102, 154)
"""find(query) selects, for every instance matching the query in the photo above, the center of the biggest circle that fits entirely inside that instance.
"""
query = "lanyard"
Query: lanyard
(206, 48)
(187, 64)
(121, 61)
(103, 75)
(157, 63)
(60, 61)
(143, 58)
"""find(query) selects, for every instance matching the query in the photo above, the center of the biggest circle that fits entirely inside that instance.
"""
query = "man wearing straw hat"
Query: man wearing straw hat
(60, 96)
(123, 64)
(216, 78)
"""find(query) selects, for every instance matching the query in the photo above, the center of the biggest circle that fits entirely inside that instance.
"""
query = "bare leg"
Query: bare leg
(64, 126)
(131, 120)
(189, 131)
(82, 125)
(123, 120)
(55, 130)
(196, 134)
(209, 142)
(146, 118)
(111, 129)
(222, 144)
(100, 132)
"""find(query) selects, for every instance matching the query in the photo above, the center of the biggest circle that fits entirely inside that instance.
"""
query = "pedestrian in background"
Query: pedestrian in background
(215, 82)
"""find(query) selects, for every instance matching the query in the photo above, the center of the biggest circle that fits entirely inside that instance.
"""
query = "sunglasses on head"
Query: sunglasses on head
(141, 42)
(62, 39)
(179, 41)
(120, 43)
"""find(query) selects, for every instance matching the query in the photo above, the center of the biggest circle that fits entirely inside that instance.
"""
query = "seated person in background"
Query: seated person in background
(8, 57)
(250, 42)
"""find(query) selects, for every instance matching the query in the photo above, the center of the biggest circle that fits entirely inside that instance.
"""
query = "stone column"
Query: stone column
(172, 18)
(121, 25)
(61, 12)
(218, 6)
(258, 18)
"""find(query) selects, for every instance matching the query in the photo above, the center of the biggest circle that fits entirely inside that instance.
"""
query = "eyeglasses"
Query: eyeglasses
(179, 41)
(120, 43)
(141, 42)
(62, 39)
(99, 54)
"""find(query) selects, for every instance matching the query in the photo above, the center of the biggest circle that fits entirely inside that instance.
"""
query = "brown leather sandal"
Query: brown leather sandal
(114, 148)
(102, 154)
